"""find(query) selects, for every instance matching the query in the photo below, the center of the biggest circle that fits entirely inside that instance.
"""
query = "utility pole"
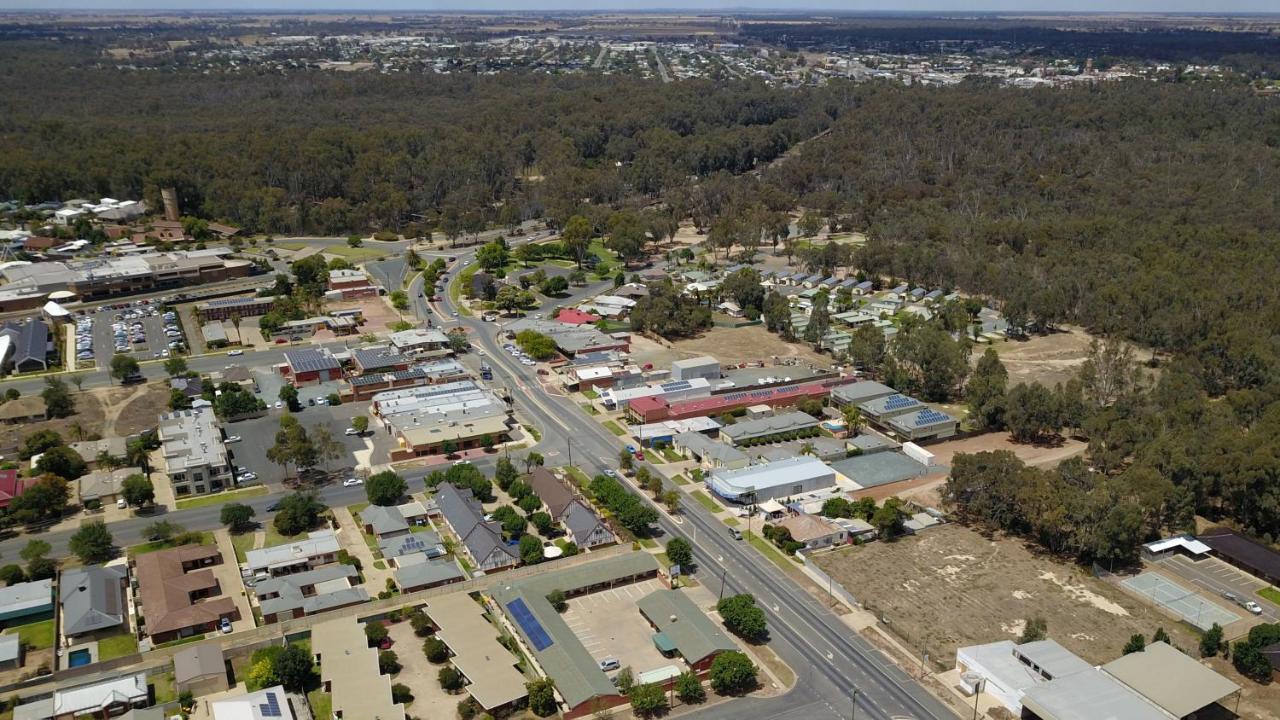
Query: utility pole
(853, 705)
(723, 571)
(570, 441)
(982, 684)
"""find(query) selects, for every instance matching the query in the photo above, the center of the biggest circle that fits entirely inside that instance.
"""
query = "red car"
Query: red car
(639, 454)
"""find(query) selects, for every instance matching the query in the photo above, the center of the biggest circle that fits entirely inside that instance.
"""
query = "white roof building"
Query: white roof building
(775, 480)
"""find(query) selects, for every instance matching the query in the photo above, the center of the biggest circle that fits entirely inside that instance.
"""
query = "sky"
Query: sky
(950, 6)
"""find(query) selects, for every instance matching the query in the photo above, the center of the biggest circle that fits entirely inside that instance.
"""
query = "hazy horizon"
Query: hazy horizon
(1269, 7)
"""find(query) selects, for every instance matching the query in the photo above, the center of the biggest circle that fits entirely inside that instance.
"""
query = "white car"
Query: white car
(1253, 607)
(352, 482)
(232, 439)
(279, 404)
(247, 477)
(351, 431)
(235, 353)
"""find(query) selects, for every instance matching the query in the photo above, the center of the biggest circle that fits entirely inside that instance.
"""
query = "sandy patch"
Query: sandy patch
(1084, 594)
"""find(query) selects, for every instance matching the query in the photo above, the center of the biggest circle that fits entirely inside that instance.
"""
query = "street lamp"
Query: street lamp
(853, 704)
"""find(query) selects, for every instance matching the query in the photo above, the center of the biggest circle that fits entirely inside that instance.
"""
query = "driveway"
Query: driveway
(430, 701)
(375, 580)
(228, 574)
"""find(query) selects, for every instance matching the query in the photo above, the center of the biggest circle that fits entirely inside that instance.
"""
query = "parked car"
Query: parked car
(351, 431)
(1253, 607)
(352, 482)
(235, 353)
(735, 533)
(608, 664)
(273, 506)
(232, 439)
(224, 626)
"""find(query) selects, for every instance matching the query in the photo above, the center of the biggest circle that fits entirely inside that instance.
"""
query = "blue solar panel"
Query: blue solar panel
(898, 402)
(676, 386)
(271, 708)
(533, 629)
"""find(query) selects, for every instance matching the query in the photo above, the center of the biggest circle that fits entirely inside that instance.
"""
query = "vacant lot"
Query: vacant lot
(730, 345)
(950, 587)
(1045, 456)
(88, 419)
(1047, 359)
(141, 408)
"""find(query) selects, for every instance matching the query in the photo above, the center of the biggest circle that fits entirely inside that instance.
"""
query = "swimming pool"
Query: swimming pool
(79, 657)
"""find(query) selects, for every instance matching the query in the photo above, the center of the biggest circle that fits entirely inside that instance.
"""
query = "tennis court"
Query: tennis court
(1187, 604)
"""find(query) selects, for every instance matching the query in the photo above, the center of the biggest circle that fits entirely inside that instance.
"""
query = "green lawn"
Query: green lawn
(612, 427)
(355, 509)
(163, 686)
(321, 704)
(653, 457)
(706, 501)
(355, 255)
(578, 477)
(243, 543)
(222, 497)
(769, 551)
(681, 480)
(36, 635)
(671, 455)
(533, 431)
(647, 543)
(590, 394)
(143, 549)
(379, 564)
(731, 521)
(274, 537)
(182, 641)
(589, 409)
(462, 280)
(117, 646)
(1271, 594)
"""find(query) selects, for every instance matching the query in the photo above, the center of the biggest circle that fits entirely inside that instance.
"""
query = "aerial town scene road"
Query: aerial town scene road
(730, 364)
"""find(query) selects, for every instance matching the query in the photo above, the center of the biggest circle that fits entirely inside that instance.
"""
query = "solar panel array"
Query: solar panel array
(929, 416)
(533, 629)
(270, 708)
(899, 402)
(676, 386)
(310, 360)
(231, 302)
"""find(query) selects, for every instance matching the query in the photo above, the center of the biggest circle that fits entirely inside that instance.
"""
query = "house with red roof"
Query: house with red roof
(11, 486)
(574, 316)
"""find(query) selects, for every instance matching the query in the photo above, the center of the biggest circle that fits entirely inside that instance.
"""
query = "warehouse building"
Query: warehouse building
(794, 424)
(923, 424)
(705, 367)
(772, 481)
(668, 392)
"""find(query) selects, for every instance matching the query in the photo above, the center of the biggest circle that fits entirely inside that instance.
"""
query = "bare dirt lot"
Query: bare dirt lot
(950, 587)
(729, 345)
(1038, 455)
(1047, 359)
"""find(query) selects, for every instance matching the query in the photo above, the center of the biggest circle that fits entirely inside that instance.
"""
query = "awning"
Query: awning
(663, 643)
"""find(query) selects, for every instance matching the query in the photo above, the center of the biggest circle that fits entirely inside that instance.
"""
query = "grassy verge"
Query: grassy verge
(590, 394)
(274, 537)
(647, 543)
(653, 457)
(463, 279)
(1271, 594)
(242, 543)
(770, 552)
(357, 508)
(671, 455)
(612, 427)
(356, 254)
(37, 635)
(206, 538)
(705, 501)
(222, 497)
(533, 431)
(731, 521)
(321, 704)
(680, 480)
(117, 646)
(588, 409)
(578, 477)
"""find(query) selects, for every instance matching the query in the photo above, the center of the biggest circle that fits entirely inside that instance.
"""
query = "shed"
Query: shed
(201, 669)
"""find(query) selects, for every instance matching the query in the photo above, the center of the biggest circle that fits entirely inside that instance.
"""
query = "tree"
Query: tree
(985, 391)
(326, 446)
(732, 673)
(867, 347)
(680, 552)
(819, 320)
(385, 488)
(810, 224)
(533, 460)
(535, 344)
(292, 446)
(648, 700)
(505, 473)
(1137, 643)
(558, 600)
(1036, 629)
(12, 575)
(92, 543)
(175, 366)
(294, 668)
(399, 300)
(57, 399)
(63, 462)
(888, 518)
(743, 617)
(161, 531)
(262, 673)
(450, 679)
(671, 499)
(238, 517)
(625, 460)
(435, 650)
(46, 499)
(542, 696)
(543, 522)
(401, 694)
(1031, 413)
(530, 550)
(388, 662)
(299, 512)
(360, 423)
(289, 395)
(624, 680)
(1161, 636)
(123, 366)
(576, 236)
(1211, 641)
(375, 633)
(34, 550)
(492, 256)
(689, 689)
(138, 490)
(38, 442)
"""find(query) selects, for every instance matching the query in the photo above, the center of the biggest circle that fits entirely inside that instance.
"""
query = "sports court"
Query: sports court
(1187, 604)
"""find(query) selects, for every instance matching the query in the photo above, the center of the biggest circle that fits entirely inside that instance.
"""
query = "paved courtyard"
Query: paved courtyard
(430, 701)
(609, 625)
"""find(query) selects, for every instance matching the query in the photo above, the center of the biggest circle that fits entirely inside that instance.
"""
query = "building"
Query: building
(428, 574)
(1243, 552)
(582, 685)
(705, 367)
(574, 316)
(1174, 681)
(10, 652)
(178, 595)
(102, 277)
(305, 366)
(349, 284)
(104, 699)
(482, 539)
(319, 547)
(488, 667)
(304, 328)
(26, 409)
(572, 340)
(923, 424)
(814, 531)
(295, 595)
(879, 468)
(667, 392)
(383, 522)
(553, 493)
(772, 481)
(349, 672)
(89, 450)
(585, 528)
(859, 392)
(11, 486)
(378, 359)
(666, 431)
(405, 550)
(104, 486)
(267, 704)
(680, 628)
(710, 454)
(765, 429)
(91, 598)
(24, 346)
(25, 600)
(200, 669)
(881, 409)
(419, 340)
(196, 461)
(429, 420)
(657, 409)
(238, 307)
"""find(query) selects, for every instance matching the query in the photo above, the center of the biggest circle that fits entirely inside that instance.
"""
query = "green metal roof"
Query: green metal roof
(663, 643)
(695, 636)
(578, 676)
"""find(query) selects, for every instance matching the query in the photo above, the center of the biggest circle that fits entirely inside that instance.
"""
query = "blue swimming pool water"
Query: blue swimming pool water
(78, 658)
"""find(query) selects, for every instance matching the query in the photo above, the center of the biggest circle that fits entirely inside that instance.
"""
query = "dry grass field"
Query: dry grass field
(730, 345)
